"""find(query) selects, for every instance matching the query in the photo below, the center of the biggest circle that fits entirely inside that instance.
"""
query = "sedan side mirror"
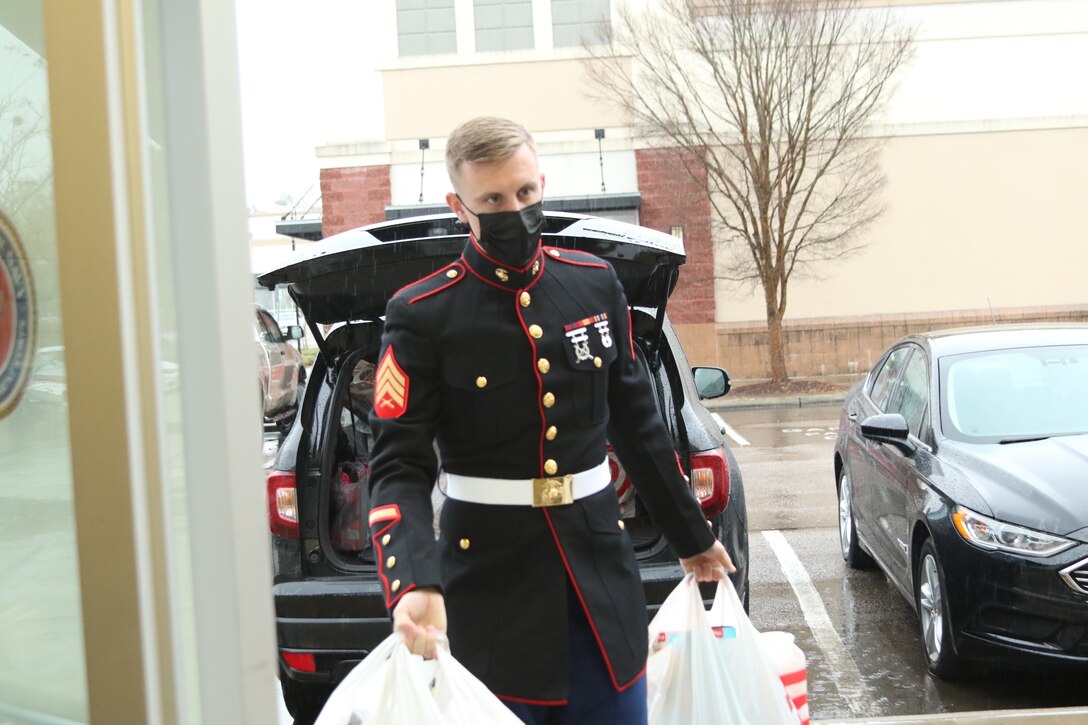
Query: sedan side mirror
(890, 428)
(294, 332)
(711, 382)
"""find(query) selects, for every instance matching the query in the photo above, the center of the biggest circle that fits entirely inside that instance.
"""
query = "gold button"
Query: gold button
(596, 362)
(452, 273)
(550, 467)
(553, 252)
(386, 539)
(551, 433)
(465, 543)
(536, 268)
(390, 562)
(543, 365)
(525, 299)
(502, 274)
(395, 585)
(535, 331)
(622, 526)
(481, 382)
(549, 400)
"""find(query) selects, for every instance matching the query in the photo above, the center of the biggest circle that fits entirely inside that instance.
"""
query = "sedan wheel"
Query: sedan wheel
(930, 593)
(852, 553)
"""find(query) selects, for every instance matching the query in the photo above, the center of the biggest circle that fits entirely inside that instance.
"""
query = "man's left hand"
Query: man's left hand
(711, 565)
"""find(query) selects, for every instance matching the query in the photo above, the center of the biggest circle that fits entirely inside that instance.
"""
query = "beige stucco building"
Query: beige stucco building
(985, 157)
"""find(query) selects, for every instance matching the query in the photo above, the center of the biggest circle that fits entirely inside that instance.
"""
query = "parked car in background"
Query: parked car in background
(961, 466)
(330, 610)
(281, 372)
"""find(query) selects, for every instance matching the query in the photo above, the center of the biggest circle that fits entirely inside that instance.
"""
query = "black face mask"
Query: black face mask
(511, 237)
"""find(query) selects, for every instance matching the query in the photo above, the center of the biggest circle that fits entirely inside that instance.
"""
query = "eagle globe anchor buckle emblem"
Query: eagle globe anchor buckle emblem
(553, 491)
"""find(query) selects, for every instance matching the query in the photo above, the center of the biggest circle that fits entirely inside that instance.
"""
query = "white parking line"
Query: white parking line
(859, 696)
(728, 430)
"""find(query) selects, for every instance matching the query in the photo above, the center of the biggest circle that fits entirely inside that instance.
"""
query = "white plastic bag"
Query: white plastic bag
(391, 685)
(709, 668)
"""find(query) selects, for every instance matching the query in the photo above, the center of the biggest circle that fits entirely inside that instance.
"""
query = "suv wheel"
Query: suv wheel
(303, 700)
(852, 553)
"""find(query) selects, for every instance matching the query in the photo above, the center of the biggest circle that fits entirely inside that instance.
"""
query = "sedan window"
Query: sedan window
(912, 394)
(884, 381)
(1006, 395)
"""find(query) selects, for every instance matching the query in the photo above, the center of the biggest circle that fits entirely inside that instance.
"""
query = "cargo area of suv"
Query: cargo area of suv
(329, 606)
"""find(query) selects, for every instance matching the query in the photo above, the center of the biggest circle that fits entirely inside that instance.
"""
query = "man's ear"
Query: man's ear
(456, 207)
(542, 183)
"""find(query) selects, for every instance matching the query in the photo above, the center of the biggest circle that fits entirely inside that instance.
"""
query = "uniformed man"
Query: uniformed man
(518, 359)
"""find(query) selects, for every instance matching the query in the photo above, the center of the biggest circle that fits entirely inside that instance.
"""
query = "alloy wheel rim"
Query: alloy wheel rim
(930, 607)
(846, 515)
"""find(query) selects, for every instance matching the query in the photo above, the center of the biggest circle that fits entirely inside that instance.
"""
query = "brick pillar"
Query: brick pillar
(671, 197)
(352, 197)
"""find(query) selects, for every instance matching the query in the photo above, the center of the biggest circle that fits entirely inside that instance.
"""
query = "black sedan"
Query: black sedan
(961, 465)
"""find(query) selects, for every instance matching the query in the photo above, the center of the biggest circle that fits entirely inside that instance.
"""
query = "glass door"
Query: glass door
(41, 629)
(134, 565)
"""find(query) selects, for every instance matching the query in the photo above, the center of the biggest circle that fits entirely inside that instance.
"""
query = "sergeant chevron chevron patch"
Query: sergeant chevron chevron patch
(390, 387)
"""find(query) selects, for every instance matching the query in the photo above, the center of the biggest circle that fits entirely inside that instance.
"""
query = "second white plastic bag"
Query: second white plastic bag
(709, 668)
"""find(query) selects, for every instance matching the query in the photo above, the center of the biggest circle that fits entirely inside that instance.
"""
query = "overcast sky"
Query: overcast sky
(306, 75)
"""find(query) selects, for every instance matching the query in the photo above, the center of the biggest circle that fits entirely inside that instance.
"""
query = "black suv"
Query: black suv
(330, 610)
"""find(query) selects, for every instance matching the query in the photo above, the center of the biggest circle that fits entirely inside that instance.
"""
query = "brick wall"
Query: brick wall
(671, 197)
(352, 197)
(838, 346)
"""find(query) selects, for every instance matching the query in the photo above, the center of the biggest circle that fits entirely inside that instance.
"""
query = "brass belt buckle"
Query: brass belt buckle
(553, 491)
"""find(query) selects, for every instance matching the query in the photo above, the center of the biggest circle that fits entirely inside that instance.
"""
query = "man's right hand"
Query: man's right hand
(420, 615)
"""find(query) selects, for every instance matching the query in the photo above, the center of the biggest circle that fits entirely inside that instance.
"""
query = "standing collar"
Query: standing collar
(499, 274)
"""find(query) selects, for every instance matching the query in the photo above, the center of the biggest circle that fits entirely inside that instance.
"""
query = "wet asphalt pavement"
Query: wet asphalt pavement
(859, 634)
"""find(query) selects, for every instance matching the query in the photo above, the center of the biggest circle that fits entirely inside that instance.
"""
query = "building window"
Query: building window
(425, 27)
(575, 22)
(504, 24)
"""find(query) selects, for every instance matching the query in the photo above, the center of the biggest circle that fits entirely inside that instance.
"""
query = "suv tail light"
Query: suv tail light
(301, 661)
(282, 504)
(710, 480)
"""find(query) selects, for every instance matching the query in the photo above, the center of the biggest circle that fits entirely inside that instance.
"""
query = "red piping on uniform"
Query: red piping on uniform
(424, 279)
(539, 387)
(376, 537)
(448, 284)
(485, 280)
(589, 618)
(542, 703)
(630, 334)
(472, 238)
(578, 264)
(540, 274)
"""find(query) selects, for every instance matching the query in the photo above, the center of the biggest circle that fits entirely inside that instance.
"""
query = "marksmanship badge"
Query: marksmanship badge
(577, 334)
(18, 318)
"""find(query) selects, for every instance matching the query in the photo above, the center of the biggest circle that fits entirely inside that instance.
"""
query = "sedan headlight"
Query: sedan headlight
(1001, 536)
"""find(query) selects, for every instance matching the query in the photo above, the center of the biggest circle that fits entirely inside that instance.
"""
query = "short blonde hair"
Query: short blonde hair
(486, 139)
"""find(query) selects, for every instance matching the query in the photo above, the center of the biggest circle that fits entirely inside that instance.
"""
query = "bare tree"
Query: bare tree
(773, 99)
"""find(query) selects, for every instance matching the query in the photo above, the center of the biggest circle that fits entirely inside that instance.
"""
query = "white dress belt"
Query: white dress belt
(520, 491)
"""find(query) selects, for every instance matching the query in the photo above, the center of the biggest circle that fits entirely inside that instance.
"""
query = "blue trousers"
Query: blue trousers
(591, 697)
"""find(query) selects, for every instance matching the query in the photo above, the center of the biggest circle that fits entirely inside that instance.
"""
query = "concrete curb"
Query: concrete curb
(792, 401)
(1045, 716)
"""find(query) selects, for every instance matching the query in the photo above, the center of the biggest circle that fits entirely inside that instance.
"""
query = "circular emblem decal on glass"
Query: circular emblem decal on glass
(18, 321)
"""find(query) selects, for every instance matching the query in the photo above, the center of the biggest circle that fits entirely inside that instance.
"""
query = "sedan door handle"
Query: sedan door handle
(853, 416)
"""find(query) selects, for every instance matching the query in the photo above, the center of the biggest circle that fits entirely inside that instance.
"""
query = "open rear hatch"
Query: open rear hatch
(352, 275)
